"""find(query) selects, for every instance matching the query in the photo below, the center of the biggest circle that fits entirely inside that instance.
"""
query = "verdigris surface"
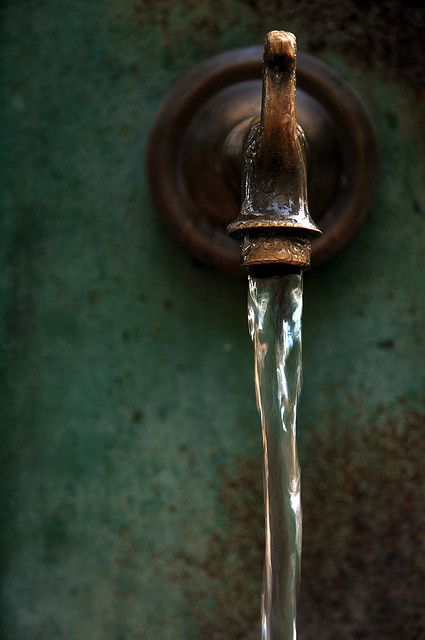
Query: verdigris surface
(130, 487)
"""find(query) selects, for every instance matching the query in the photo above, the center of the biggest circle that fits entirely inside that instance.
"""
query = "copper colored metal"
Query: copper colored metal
(273, 251)
(274, 179)
(195, 150)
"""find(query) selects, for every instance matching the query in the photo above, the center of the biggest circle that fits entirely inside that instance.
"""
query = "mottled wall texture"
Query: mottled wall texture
(130, 482)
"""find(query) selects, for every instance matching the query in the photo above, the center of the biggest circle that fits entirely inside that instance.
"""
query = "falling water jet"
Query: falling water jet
(274, 317)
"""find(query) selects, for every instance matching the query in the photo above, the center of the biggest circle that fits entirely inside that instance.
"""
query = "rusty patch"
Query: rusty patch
(383, 35)
(364, 548)
(232, 568)
(168, 304)
(94, 297)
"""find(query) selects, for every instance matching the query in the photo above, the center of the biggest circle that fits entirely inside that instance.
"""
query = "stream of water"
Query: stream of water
(274, 317)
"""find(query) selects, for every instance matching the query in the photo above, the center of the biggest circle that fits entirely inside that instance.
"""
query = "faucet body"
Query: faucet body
(233, 114)
(274, 225)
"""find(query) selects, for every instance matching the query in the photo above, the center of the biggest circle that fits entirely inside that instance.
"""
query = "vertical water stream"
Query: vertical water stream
(274, 317)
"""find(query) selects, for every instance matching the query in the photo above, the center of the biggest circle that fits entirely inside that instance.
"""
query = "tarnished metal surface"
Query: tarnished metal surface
(195, 149)
(275, 251)
(130, 443)
(274, 203)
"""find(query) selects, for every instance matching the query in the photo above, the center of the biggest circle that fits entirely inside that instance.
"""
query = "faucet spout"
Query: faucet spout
(274, 225)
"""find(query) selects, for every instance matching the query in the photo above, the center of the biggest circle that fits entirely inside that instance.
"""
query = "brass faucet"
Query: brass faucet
(214, 125)
(274, 225)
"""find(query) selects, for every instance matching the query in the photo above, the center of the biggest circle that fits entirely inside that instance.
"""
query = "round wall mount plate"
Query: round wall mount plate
(195, 182)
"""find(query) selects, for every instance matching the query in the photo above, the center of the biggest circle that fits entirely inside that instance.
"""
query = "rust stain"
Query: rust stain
(168, 304)
(94, 297)
(231, 570)
(364, 548)
(385, 35)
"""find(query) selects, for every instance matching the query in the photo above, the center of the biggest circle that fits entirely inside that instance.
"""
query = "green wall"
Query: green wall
(130, 488)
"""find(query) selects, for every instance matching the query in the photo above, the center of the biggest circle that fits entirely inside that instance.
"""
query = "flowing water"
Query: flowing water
(274, 317)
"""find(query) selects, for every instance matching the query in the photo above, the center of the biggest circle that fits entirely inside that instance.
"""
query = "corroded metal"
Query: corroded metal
(195, 150)
(277, 250)
(274, 180)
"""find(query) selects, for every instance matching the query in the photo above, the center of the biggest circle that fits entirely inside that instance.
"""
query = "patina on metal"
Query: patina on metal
(274, 224)
(194, 156)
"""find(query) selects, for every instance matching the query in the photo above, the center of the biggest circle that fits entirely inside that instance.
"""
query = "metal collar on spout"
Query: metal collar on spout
(274, 224)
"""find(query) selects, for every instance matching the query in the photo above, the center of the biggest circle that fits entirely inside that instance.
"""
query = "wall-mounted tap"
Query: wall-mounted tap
(274, 224)
(233, 102)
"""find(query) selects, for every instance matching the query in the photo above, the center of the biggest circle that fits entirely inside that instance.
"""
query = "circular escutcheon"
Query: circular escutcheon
(194, 154)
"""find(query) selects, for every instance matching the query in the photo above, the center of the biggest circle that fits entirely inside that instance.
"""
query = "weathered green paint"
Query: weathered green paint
(130, 491)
